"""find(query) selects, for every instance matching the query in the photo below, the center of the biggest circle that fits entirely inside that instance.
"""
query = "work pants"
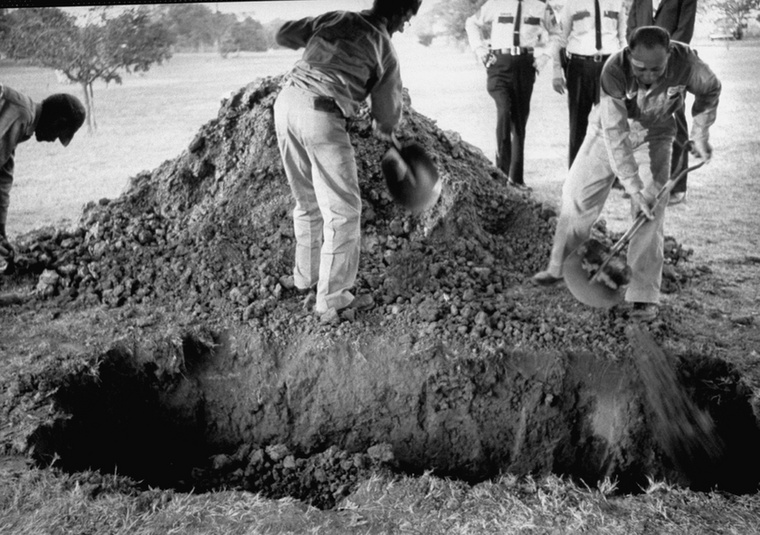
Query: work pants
(321, 169)
(510, 83)
(585, 191)
(583, 80)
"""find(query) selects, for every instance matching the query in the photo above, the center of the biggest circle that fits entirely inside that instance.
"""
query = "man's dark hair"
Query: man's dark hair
(649, 37)
(389, 8)
(61, 115)
(65, 107)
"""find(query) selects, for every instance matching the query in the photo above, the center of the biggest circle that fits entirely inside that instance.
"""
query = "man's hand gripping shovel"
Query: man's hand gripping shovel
(597, 277)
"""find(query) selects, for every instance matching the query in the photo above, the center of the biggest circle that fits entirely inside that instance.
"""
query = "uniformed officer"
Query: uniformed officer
(630, 135)
(590, 30)
(517, 29)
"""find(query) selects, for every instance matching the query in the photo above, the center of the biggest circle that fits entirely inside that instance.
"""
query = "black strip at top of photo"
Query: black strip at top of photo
(12, 4)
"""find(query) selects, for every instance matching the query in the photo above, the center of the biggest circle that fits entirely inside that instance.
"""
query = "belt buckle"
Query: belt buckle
(515, 51)
(598, 57)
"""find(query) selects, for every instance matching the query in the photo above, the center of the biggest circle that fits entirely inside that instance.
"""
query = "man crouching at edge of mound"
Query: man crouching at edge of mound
(630, 136)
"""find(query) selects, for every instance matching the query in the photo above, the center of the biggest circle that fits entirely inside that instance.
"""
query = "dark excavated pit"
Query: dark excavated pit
(307, 418)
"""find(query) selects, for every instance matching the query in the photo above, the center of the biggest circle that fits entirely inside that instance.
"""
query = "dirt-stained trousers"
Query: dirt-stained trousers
(321, 169)
(585, 191)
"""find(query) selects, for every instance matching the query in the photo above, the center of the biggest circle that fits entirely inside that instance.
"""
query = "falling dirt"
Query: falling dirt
(163, 341)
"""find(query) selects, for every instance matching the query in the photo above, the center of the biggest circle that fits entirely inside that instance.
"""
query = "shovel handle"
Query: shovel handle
(641, 218)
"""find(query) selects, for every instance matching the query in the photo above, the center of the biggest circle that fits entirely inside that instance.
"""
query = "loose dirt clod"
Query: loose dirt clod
(460, 367)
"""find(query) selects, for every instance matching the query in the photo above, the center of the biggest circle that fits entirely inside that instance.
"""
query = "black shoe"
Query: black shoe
(520, 186)
(677, 198)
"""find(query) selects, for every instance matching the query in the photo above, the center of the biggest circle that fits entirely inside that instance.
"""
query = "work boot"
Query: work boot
(333, 315)
(544, 278)
(362, 302)
(677, 198)
(644, 311)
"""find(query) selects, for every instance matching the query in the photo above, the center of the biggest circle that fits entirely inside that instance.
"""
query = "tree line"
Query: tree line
(109, 41)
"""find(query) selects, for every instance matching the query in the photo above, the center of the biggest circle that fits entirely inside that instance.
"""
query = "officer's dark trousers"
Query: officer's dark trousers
(582, 76)
(510, 84)
(680, 156)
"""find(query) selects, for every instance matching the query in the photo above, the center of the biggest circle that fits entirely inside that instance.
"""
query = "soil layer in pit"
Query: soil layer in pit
(460, 368)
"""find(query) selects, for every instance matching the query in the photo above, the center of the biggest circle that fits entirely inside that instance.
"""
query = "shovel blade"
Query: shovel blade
(589, 292)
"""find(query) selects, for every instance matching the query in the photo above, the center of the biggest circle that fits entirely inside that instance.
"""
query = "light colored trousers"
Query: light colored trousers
(583, 196)
(321, 168)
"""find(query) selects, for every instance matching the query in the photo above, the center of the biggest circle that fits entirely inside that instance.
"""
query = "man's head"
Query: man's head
(60, 118)
(650, 50)
(397, 12)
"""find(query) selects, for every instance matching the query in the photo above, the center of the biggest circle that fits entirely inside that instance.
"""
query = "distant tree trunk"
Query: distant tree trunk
(89, 104)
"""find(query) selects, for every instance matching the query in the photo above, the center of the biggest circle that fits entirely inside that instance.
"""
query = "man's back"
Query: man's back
(346, 55)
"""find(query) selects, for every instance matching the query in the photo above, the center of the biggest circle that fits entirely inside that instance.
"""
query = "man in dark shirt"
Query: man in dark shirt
(348, 56)
(59, 116)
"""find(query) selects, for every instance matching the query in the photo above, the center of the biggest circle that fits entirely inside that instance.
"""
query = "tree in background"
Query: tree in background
(245, 35)
(735, 12)
(196, 28)
(193, 26)
(100, 49)
(446, 20)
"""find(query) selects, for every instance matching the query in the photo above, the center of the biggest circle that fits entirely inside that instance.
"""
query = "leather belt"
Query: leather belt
(596, 58)
(514, 51)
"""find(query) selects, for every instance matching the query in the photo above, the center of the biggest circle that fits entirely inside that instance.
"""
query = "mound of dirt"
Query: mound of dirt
(461, 367)
(210, 231)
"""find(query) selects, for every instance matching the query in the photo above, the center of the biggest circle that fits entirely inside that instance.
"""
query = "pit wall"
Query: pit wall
(160, 408)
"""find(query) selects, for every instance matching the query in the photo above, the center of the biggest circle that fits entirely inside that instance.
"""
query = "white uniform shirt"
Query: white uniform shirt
(578, 29)
(537, 23)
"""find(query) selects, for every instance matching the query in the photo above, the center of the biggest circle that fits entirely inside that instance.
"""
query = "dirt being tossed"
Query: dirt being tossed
(461, 367)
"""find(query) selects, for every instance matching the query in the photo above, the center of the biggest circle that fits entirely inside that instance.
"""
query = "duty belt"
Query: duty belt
(596, 58)
(514, 50)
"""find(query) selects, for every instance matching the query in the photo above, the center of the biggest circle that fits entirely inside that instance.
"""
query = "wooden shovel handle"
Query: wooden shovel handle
(641, 218)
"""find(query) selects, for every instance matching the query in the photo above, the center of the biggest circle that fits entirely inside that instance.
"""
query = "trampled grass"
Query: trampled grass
(35, 502)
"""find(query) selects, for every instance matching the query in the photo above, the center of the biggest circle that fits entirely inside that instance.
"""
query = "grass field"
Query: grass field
(152, 118)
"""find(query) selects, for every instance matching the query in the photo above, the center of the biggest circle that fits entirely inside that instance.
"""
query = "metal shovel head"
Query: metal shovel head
(592, 293)
(411, 177)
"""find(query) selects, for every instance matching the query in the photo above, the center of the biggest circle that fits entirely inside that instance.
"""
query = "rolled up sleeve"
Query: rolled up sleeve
(387, 95)
(706, 88)
(295, 34)
(615, 130)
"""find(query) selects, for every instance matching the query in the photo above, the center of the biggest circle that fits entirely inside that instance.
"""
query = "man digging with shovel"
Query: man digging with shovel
(630, 136)
(348, 56)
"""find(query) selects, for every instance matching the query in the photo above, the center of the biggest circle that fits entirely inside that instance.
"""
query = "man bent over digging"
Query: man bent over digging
(630, 136)
(347, 57)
